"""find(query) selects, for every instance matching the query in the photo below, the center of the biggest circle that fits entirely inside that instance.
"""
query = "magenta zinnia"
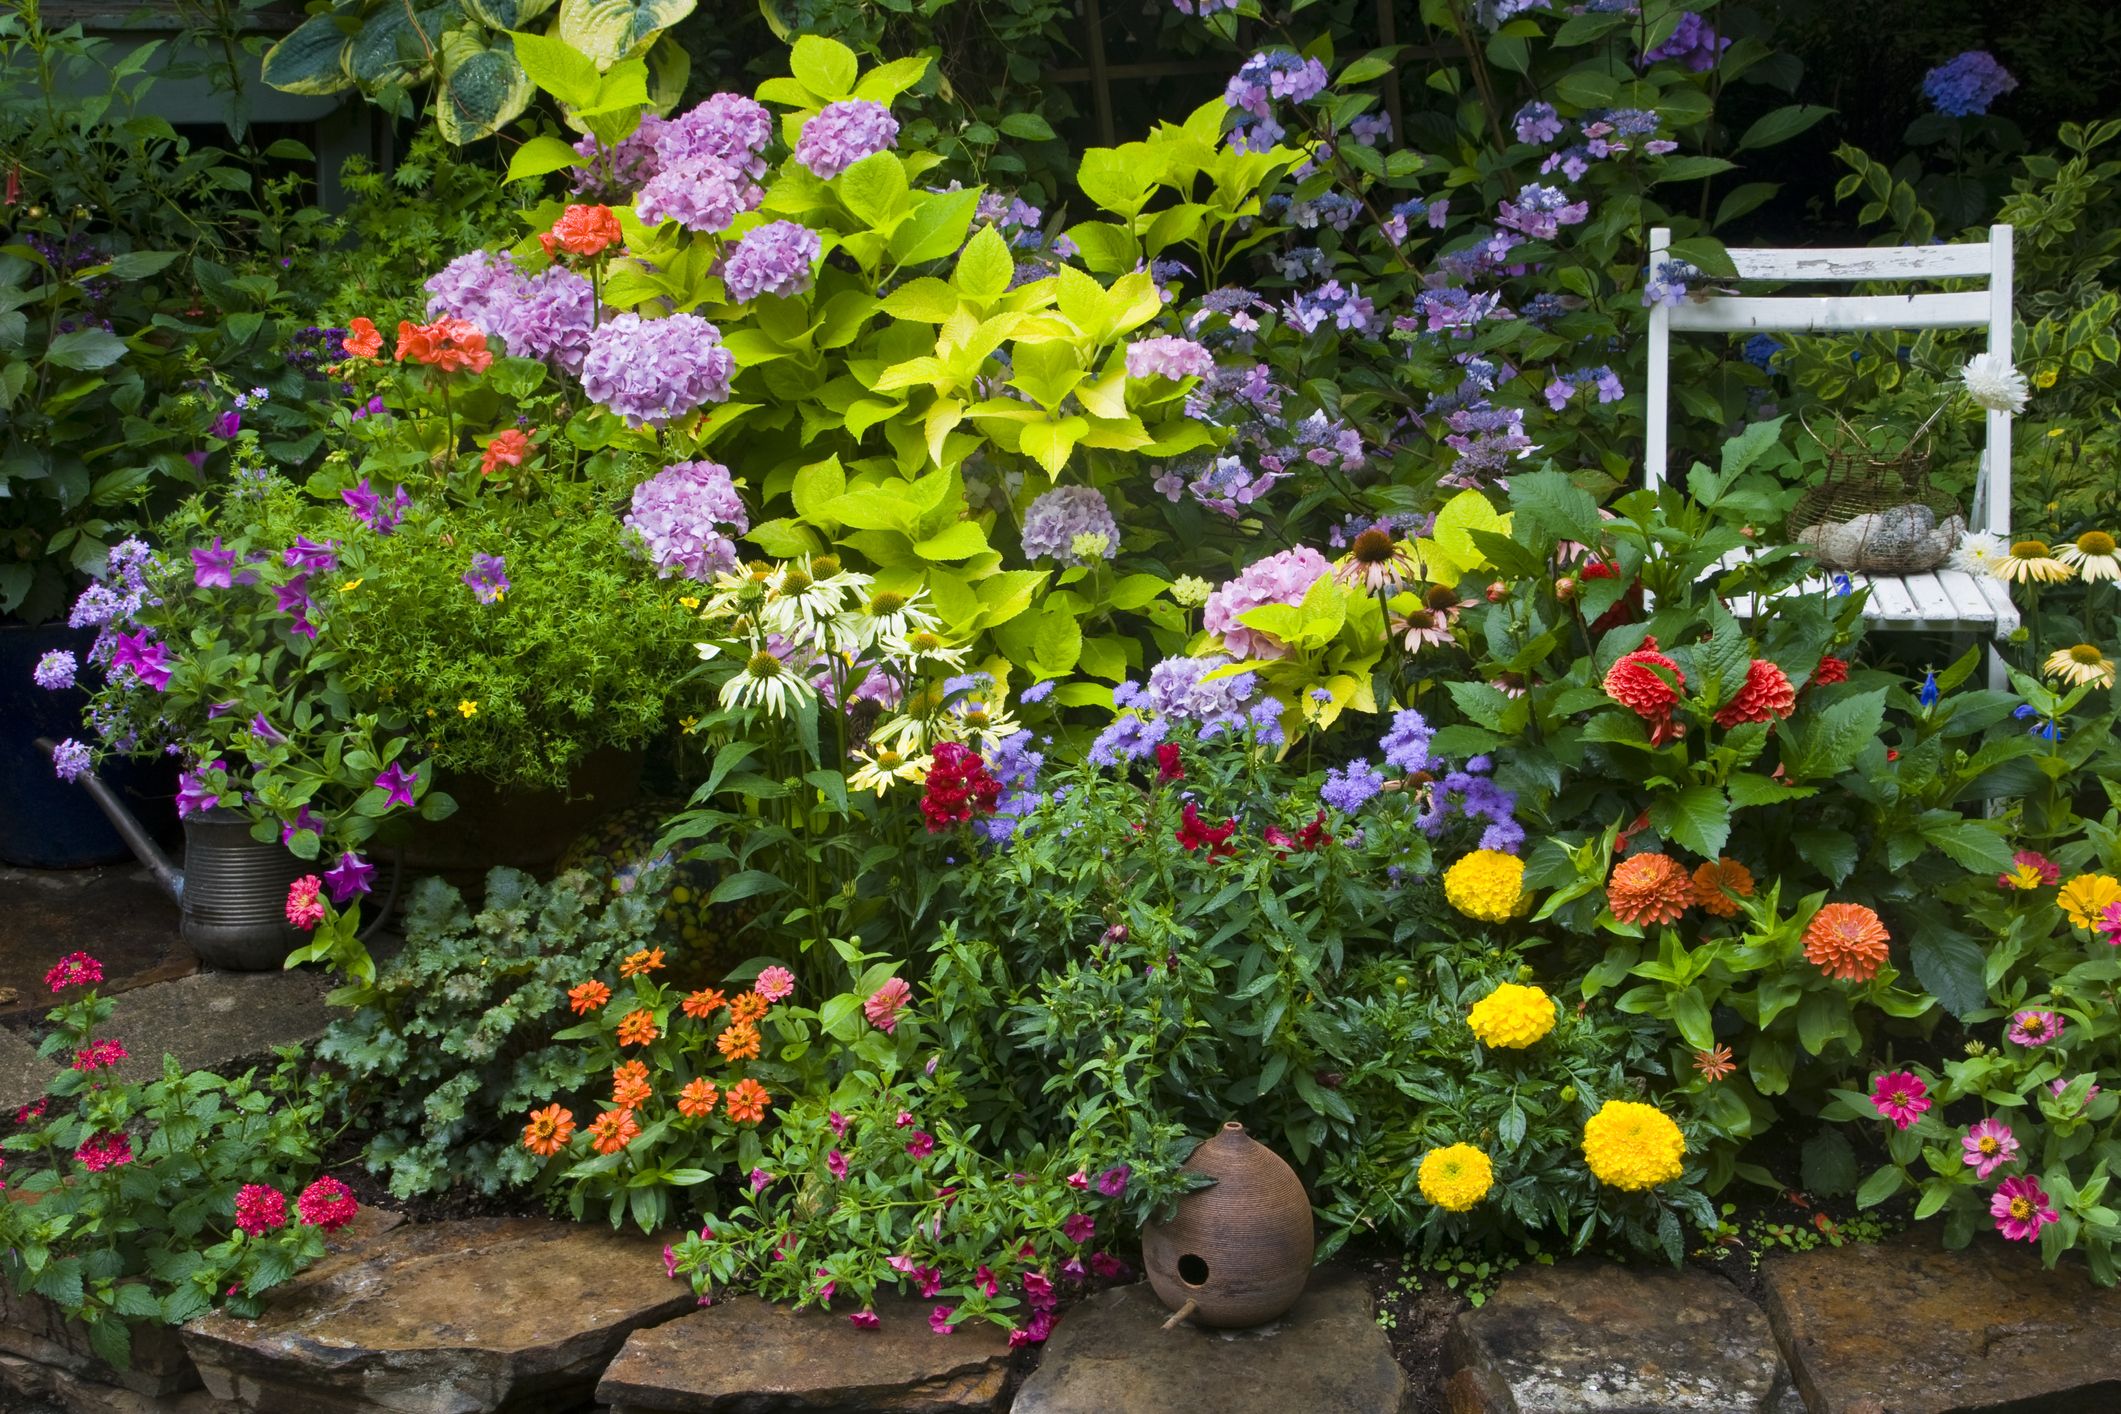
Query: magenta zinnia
(1900, 1097)
(304, 908)
(1988, 1146)
(2021, 1208)
(2035, 1028)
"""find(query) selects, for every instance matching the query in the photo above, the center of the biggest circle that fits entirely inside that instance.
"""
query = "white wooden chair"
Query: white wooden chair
(1947, 600)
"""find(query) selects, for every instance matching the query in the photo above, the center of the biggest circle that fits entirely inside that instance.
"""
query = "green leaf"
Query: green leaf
(139, 264)
(1058, 644)
(1374, 65)
(935, 228)
(1691, 1015)
(1705, 253)
(1781, 125)
(1028, 126)
(562, 71)
(824, 66)
(1829, 1166)
(610, 30)
(1978, 845)
(312, 58)
(85, 349)
(1558, 505)
(985, 269)
(958, 541)
(1949, 964)
(875, 187)
(1880, 1186)
(542, 154)
(1830, 743)
(744, 884)
(1697, 819)
(1832, 852)
(483, 88)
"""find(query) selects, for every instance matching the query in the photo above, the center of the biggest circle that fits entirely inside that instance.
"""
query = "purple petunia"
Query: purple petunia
(214, 568)
(350, 876)
(145, 660)
(194, 792)
(842, 134)
(488, 577)
(310, 557)
(373, 511)
(677, 512)
(650, 371)
(779, 258)
(397, 784)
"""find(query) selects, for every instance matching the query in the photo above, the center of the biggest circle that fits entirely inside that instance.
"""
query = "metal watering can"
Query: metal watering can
(232, 891)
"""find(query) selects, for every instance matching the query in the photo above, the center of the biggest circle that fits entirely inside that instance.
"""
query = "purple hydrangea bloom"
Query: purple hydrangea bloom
(1282, 578)
(1266, 79)
(728, 128)
(649, 371)
(1669, 284)
(552, 319)
(1406, 745)
(1181, 687)
(1487, 440)
(675, 513)
(705, 194)
(1054, 522)
(1964, 87)
(349, 877)
(71, 760)
(55, 670)
(488, 577)
(611, 175)
(1693, 44)
(779, 258)
(1541, 211)
(482, 286)
(1537, 122)
(1172, 358)
(1348, 788)
(843, 134)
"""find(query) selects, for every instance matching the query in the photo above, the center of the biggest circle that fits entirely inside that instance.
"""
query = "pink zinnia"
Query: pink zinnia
(2030, 869)
(259, 1209)
(2035, 1028)
(98, 1054)
(2021, 1208)
(939, 1320)
(103, 1151)
(1988, 1146)
(76, 969)
(1901, 1097)
(882, 1008)
(304, 908)
(921, 1145)
(774, 983)
(2110, 924)
(864, 1320)
(328, 1204)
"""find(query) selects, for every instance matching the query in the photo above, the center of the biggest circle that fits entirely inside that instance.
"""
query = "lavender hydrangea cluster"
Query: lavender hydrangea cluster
(1563, 387)
(677, 515)
(611, 174)
(551, 319)
(1541, 211)
(55, 670)
(1267, 78)
(1071, 524)
(705, 194)
(727, 128)
(1225, 484)
(1965, 85)
(1694, 43)
(1169, 357)
(1282, 578)
(842, 134)
(1487, 440)
(1185, 688)
(482, 286)
(650, 371)
(779, 258)
(1537, 122)
(1668, 284)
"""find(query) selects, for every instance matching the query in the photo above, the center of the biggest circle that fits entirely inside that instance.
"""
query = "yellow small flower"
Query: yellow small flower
(467, 708)
(1455, 1178)
(1633, 1146)
(2080, 666)
(1512, 1017)
(690, 601)
(351, 585)
(2045, 378)
(1487, 884)
(2087, 897)
(688, 723)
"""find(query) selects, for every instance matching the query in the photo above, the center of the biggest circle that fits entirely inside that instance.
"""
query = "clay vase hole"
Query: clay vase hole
(1235, 1253)
(1192, 1270)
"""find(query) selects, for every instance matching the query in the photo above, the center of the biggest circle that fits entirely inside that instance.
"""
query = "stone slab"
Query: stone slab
(1596, 1338)
(1110, 1355)
(744, 1354)
(443, 1318)
(35, 1331)
(114, 912)
(29, 1387)
(1906, 1327)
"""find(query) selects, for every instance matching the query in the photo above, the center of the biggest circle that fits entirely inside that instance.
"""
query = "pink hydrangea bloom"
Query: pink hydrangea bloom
(1171, 357)
(1988, 1146)
(1901, 1097)
(2021, 1208)
(1282, 578)
(259, 1209)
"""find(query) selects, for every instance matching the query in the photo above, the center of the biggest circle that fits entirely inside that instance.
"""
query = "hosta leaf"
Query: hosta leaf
(313, 58)
(610, 30)
(483, 88)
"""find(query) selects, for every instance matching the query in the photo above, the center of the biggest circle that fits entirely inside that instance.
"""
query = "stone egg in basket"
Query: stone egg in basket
(1875, 511)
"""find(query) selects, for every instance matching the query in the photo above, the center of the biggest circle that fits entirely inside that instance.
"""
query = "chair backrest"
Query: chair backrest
(1739, 314)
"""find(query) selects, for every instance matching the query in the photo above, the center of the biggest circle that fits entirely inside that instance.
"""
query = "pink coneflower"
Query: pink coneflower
(259, 1209)
(884, 1004)
(76, 969)
(1377, 562)
(837, 1163)
(2021, 1208)
(327, 1204)
(1988, 1146)
(939, 1320)
(921, 1145)
(2035, 1028)
(1509, 684)
(99, 1054)
(863, 1320)
(1429, 623)
(774, 983)
(1900, 1097)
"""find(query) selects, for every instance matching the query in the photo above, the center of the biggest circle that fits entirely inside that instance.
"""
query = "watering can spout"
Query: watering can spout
(168, 877)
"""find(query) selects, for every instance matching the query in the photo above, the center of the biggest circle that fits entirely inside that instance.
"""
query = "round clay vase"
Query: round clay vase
(1240, 1251)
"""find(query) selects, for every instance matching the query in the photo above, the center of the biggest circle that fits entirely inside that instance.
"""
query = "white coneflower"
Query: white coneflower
(2081, 665)
(903, 732)
(798, 603)
(1977, 552)
(1994, 384)
(766, 682)
(889, 614)
(925, 646)
(2031, 562)
(2092, 555)
(884, 768)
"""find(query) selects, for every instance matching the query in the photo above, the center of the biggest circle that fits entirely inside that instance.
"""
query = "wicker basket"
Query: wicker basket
(1875, 511)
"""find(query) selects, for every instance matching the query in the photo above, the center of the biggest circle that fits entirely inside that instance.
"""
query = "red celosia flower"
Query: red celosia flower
(1846, 940)
(328, 1204)
(1830, 670)
(1767, 694)
(76, 969)
(305, 906)
(1168, 765)
(1647, 681)
(363, 339)
(1649, 888)
(583, 230)
(508, 448)
(259, 1209)
(1195, 833)
(959, 787)
(98, 1054)
(447, 345)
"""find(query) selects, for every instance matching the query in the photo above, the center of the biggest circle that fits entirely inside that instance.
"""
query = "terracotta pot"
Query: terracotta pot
(1241, 1251)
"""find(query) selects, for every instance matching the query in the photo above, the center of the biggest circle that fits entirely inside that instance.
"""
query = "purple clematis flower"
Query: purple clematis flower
(349, 877)
(397, 783)
(213, 569)
(488, 577)
(311, 556)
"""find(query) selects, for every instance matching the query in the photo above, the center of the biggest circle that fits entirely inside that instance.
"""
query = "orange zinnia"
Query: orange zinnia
(697, 1100)
(646, 960)
(1715, 883)
(628, 1091)
(548, 1131)
(747, 1101)
(747, 1006)
(613, 1130)
(637, 1028)
(1649, 888)
(739, 1041)
(1847, 941)
(586, 997)
(363, 339)
(1714, 1065)
(704, 1003)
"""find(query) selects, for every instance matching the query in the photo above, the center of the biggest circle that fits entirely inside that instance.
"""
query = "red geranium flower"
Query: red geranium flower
(583, 230)
(363, 339)
(507, 448)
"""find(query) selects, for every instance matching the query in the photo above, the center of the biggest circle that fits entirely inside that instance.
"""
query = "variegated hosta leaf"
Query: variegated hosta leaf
(312, 58)
(506, 14)
(399, 44)
(611, 30)
(483, 88)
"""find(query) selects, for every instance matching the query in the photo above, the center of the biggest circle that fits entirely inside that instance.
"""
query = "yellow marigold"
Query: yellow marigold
(1632, 1146)
(1715, 883)
(2088, 896)
(1649, 888)
(1455, 1178)
(1487, 884)
(1512, 1017)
